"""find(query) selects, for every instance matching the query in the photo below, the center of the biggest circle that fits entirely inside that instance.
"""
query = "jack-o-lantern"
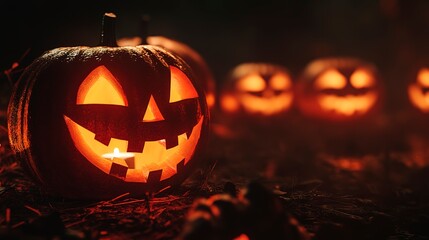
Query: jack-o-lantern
(190, 55)
(418, 90)
(258, 89)
(338, 89)
(95, 122)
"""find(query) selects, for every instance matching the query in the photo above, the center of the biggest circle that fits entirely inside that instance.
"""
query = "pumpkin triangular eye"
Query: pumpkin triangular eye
(181, 87)
(330, 79)
(423, 77)
(152, 113)
(361, 79)
(101, 87)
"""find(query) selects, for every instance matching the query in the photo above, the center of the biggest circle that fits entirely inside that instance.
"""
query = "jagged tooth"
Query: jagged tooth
(171, 142)
(162, 142)
(102, 138)
(118, 171)
(154, 176)
(131, 162)
(188, 133)
(168, 172)
(134, 146)
(180, 166)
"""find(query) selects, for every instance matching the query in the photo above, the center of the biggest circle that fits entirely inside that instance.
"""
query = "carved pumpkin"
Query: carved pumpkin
(338, 89)
(190, 55)
(95, 122)
(257, 89)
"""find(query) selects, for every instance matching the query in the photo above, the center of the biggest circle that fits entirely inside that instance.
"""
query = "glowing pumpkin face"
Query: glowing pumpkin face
(112, 121)
(418, 90)
(258, 89)
(338, 89)
(117, 119)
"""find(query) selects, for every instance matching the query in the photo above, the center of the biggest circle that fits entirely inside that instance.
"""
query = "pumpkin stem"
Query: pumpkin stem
(144, 26)
(108, 31)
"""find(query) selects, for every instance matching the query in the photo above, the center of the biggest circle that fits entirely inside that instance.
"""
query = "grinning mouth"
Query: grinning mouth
(348, 105)
(123, 124)
(266, 106)
(158, 159)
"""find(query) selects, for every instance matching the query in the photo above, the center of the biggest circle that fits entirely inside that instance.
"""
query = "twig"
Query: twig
(13, 68)
(205, 182)
(129, 202)
(7, 216)
(18, 224)
(97, 204)
(119, 197)
(165, 199)
(155, 216)
(75, 223)
(148, 197)
(33, 210)
(162, 190)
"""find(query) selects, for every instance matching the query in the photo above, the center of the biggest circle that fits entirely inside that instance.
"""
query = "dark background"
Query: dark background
(393, 34)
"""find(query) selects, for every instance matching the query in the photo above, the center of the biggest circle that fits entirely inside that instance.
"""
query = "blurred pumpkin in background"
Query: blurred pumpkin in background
(200, 67)
(338, 89)
(258, 89)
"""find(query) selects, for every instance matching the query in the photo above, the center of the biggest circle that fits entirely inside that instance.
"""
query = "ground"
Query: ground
(370, 185)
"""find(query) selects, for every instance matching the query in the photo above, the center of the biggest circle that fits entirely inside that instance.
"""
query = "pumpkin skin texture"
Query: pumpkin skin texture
(257, 89)
(338, 89)
(198, 64)
(74, 104)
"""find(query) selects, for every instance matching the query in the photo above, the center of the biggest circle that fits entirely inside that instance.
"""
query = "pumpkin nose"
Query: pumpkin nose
(152, 113)
(347, 90)
(268, 93)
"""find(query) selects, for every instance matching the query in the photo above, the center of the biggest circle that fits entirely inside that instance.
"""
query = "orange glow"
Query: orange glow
(350, 164)
(193, 58)
(280, 82)
(181, 87)
(353, 164)
(254, 96)
(251, 83)
(330, 79)
(154, 157)
(419, 151)
(229, 103)
(101, 87)
(117, 154)
(152, 112)
(242, 237)
(361, 79)
(417, 97)
(423, 77)
(210, 98)
(266, 105)
(131, 41)
(348, 105)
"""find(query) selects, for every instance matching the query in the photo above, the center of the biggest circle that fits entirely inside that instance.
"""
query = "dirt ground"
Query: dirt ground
(338, 184)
